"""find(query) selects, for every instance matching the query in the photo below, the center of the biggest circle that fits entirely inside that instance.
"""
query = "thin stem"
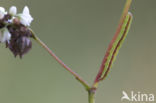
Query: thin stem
(101, 70)
(84, 83)
(91, 96)
(125, 11)
(129, 15)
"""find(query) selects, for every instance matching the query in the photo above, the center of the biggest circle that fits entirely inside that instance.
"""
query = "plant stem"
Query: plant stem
(91, 96)
(83, 82)
(101, 70)
(91, 89)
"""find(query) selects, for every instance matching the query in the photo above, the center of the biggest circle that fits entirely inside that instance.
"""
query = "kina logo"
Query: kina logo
(137, 97)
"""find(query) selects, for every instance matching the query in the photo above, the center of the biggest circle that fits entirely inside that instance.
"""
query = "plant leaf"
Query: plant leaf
(116, 45)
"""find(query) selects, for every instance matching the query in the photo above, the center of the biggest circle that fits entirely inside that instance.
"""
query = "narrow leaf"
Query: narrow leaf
(117, 45)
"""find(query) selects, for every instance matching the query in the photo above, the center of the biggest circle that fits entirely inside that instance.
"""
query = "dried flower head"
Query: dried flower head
(15, 31)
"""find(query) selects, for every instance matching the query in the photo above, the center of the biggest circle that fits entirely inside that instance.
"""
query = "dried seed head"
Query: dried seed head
(20, 42)
(15, 31)
(19, 46)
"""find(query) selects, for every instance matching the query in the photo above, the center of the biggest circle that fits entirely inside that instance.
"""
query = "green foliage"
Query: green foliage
(116, 45)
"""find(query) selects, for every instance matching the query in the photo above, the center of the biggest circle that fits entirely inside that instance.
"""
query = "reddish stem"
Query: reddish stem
(83, 82)
(127, 6)
(114, 52)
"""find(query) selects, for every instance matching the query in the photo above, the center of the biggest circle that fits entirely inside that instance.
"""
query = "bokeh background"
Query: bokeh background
(79, 31)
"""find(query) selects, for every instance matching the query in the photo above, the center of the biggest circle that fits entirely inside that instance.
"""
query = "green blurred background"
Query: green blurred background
(79, 31)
